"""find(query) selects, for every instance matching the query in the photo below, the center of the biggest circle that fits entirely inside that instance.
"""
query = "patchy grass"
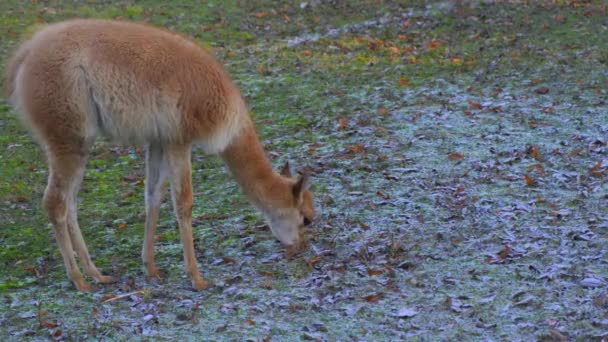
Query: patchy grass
(458, 156)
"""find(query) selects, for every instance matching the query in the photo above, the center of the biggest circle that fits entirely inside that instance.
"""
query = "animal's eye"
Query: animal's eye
(307, 222)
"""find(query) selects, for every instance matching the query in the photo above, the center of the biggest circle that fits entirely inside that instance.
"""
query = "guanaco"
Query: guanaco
(137, 84)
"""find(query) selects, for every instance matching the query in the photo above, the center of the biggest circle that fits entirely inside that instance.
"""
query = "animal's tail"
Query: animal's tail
(12, 68)
(15, 63)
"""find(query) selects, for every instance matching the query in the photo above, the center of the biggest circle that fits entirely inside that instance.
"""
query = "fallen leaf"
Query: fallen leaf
(371, 272)
(534, 151)
(342, 123)
(373, 297)
(475, 105)
(382, 111)
(538, 167)
(48, 325)
(357, 148)
(575, 152)
(455, 156)
(313, 261)
(529, 181)
(595, 170)
(229, 261)
(541, 90)
(433, 45)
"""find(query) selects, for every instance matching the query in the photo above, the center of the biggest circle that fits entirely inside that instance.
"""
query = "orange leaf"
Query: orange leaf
(313, 261)
(261, 15)
(529, 181)
(122, 226)
(373, 298)
(500, 256)
(229, 261)
(48, 325)
(455, 156)
(306, 53)
(475, 105)
(404, 81)
(534, 150)
(342, 123)
(357, 148)
(433, 45)
(382, 111)
(596, 167)
(372, 271)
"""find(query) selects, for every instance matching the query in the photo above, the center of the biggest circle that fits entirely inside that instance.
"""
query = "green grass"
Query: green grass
(419, 120)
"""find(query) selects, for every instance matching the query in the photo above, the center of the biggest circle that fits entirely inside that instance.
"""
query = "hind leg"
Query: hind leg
(63, 174)
(74, 230)
(156, 174)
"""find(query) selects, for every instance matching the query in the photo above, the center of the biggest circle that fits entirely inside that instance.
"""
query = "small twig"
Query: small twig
(109, 300)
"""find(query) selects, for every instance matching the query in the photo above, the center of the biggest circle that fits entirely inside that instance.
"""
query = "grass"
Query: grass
(457, 155)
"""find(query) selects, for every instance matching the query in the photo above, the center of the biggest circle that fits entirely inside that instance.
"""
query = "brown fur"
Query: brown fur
(137, 84)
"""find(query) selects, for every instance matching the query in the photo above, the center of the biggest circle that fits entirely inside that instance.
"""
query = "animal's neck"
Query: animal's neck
(248, 163)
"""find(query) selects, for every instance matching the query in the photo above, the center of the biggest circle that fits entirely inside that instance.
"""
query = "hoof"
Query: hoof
(105, 280)
(82, 285)
(153, 273)
(200, 284)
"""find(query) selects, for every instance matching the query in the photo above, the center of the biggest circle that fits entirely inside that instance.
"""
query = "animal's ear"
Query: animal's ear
(285, 171)
(301, 185)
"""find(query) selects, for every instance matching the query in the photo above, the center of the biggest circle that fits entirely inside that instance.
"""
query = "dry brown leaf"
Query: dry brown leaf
(455, 156)
(342, 123)
(575, 152)
(357, 148)
(529, 181)
(475, 104)
(596, 168)
(539, 168)
(229, 261)
(371, 272)
(373, 297)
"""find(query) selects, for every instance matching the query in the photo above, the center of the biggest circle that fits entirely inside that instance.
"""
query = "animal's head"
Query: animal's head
(288, 223)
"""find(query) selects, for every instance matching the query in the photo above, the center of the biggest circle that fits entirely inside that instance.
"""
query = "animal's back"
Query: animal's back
(133, 82)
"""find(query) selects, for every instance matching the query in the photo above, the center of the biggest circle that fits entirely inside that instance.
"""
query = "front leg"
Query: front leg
(180, 170)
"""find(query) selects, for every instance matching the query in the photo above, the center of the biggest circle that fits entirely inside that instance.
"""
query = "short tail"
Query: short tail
(12, 69)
